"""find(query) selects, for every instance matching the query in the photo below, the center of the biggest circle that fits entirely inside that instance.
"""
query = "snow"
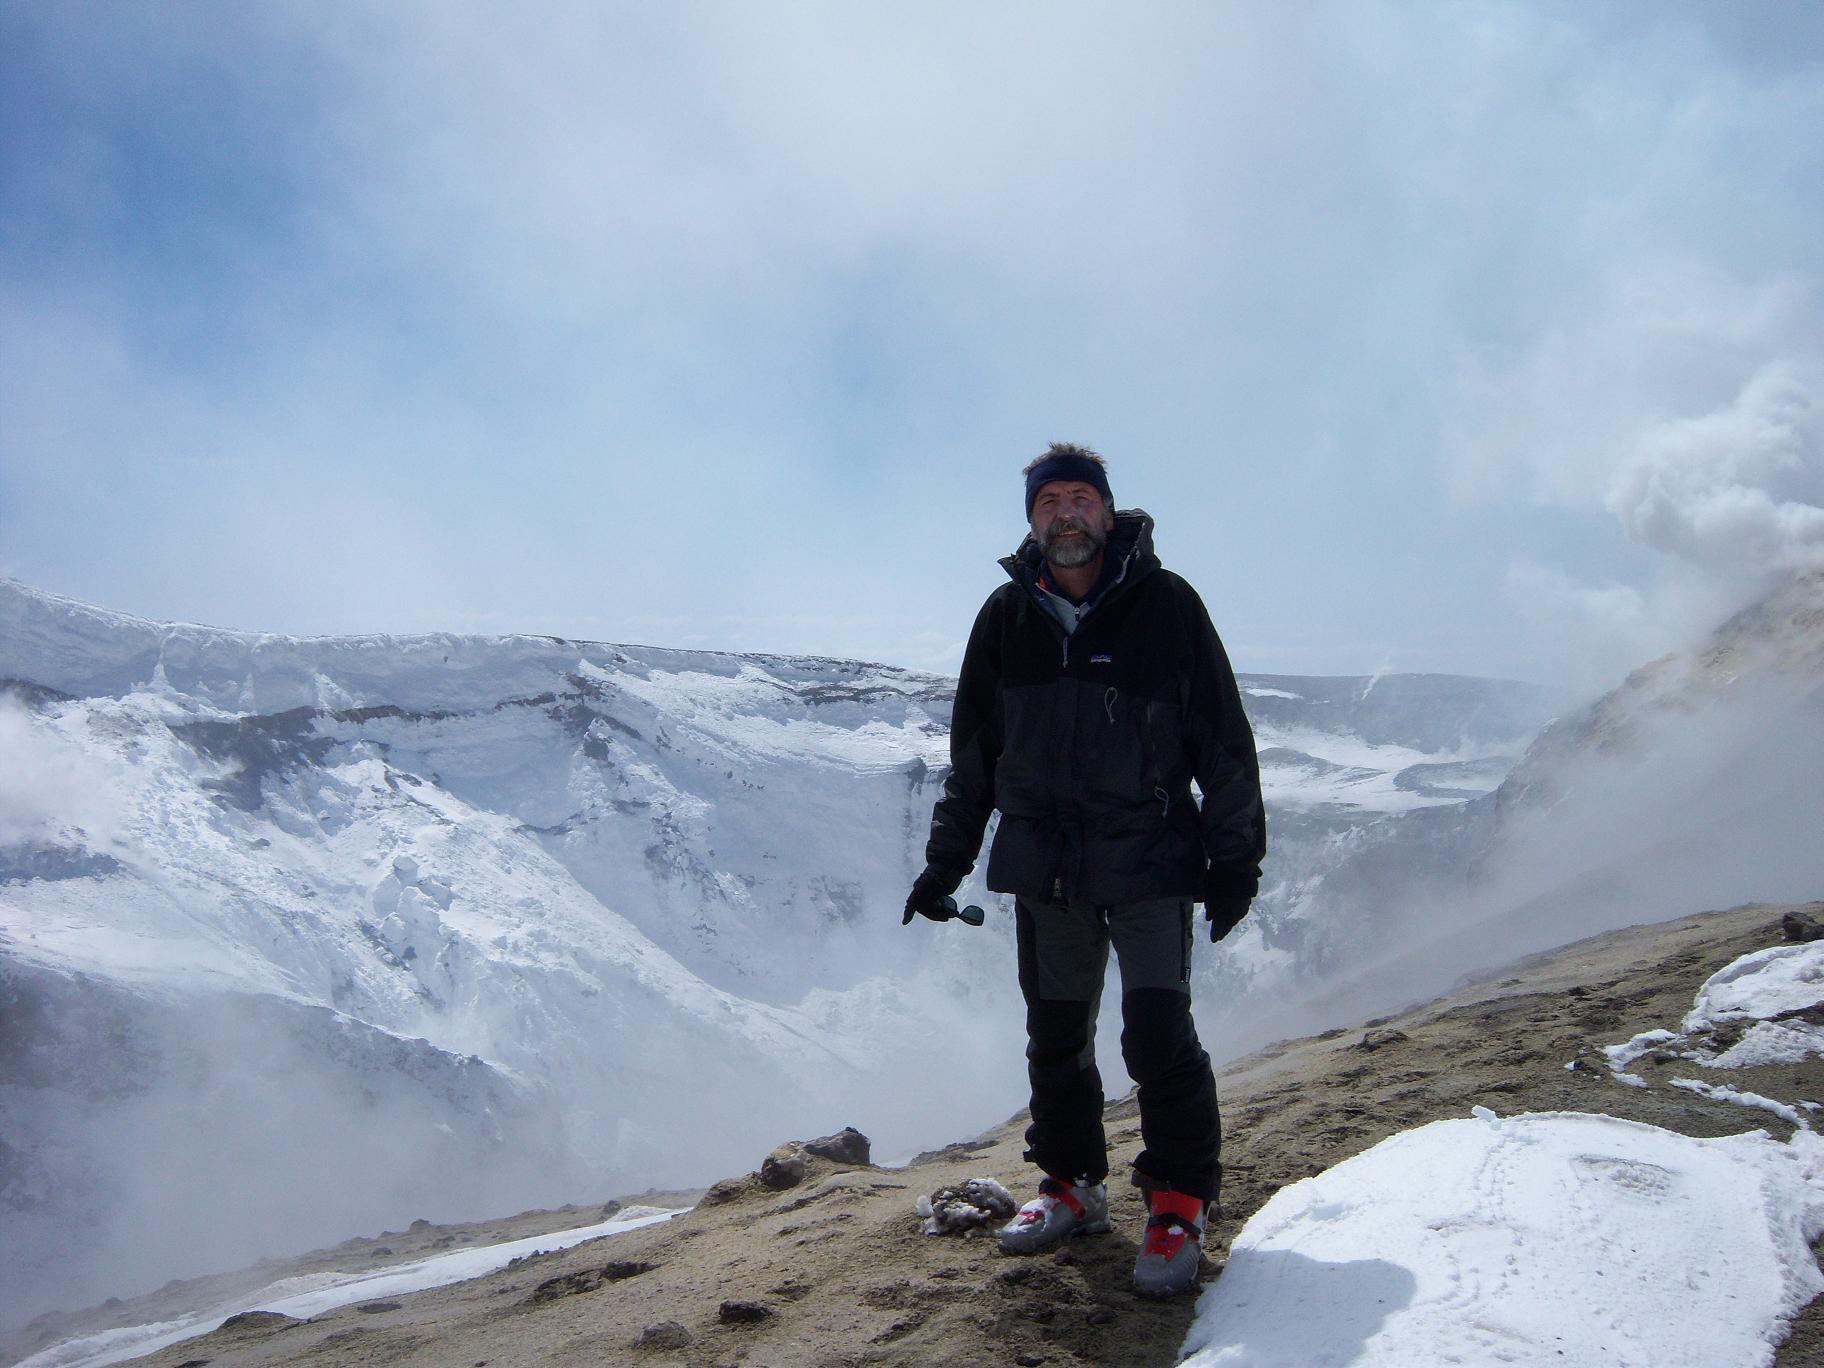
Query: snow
(1552, 1238)
(1760, 990)
(1306, 767)
(1620, 1056)
(317, 1293)
(540, 872)
(1767, 983)
(1544, 1238)
(1772, 1042)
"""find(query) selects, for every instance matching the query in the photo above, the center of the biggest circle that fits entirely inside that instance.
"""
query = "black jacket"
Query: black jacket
(1088, 743)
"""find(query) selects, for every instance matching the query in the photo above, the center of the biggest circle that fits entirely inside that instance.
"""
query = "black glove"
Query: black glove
(1225, 914)
(1227, 894)
(928, 892)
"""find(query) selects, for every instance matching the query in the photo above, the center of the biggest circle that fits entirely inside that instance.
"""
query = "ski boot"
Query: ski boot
(1173, 1248)
(1059, 1211)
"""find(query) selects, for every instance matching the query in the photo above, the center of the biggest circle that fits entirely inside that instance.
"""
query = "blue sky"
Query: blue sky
(1472, 337)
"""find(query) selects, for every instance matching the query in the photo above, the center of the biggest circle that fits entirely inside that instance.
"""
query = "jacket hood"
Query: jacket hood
(1130, 546)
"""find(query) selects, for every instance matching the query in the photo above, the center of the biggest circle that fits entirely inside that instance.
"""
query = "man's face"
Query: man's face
(1070, 522)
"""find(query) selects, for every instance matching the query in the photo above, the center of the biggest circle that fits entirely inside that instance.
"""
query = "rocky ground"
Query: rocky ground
(835, 1270)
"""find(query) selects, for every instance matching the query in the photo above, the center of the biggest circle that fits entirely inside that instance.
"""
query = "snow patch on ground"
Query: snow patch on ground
(1547, 1238)
(1764, 990)
(1756, 987)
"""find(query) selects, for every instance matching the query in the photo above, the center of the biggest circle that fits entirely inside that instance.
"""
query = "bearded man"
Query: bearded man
(1093, 692)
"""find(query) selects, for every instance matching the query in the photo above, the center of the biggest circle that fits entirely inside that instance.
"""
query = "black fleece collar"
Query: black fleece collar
(1129, 552)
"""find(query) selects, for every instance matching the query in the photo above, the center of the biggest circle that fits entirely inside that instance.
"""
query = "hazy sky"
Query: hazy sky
(1470, 337)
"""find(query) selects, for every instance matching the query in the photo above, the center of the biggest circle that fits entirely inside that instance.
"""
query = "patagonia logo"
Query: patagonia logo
(1101, 660)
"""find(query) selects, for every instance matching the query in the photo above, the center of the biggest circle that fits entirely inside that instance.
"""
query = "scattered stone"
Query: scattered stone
(743, 1312)
(725, 1190)
(1019, 1273)
(1375, 1040)
(419, 1224)
(259, 1320)
(1100, 1316)
(1796, 926)
(974, 1203)
(375, 1307)
(610, 1210)
(783, 1168)
(664, 1335)
(847, 1146)
(566, 1285)
(588, 1280)
(1030, 1360)
(958, 1149)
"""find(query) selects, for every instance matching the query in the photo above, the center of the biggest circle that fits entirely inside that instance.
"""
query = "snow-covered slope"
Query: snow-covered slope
(554, 917)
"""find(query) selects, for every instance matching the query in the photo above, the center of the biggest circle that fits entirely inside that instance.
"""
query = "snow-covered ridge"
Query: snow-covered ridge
(85, 651)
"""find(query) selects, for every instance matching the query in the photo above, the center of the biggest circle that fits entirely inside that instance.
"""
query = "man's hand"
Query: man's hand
(1225, 914)
(926, 900)
(1227, 894)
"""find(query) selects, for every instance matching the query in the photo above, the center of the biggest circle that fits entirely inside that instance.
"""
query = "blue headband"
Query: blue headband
(1067, 466)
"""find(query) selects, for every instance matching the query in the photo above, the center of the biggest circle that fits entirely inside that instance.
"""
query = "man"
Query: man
(1093, 692)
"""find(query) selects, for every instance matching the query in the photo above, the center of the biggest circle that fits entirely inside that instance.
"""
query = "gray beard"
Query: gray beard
(1068, 554)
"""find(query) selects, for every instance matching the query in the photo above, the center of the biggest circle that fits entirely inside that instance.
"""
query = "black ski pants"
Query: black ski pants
(1063, 957)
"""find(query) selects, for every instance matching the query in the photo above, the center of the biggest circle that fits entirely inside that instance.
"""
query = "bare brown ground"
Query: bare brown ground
(845, 1276)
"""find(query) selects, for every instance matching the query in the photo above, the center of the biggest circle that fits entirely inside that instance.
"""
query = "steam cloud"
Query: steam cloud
(1738, 489)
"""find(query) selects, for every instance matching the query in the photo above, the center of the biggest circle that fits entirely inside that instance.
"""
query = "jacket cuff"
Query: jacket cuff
(948, 877)
(1232, 881)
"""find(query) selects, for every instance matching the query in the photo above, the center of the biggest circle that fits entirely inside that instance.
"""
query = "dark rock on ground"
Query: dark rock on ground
(847, 1146)
(664, 1335)
(1796, 926)
(783, 1168)
(743, 1312)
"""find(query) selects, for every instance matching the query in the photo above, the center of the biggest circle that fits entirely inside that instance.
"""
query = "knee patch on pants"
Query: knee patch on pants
(1060, 1038)
(1158, 1036)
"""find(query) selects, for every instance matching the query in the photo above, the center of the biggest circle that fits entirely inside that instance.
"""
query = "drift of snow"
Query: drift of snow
(1759, 986)
(1546, 1238)
(315, 1293)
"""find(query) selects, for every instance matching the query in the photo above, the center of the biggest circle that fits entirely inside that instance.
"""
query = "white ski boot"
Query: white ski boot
(1059, 1211)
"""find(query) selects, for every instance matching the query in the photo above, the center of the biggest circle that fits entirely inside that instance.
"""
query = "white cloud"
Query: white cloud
(1737, 490)
(471, 283)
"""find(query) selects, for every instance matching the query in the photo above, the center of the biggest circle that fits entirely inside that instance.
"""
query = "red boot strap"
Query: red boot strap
(1171, 1220)
(1064, 1192)
(1176, 1204)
